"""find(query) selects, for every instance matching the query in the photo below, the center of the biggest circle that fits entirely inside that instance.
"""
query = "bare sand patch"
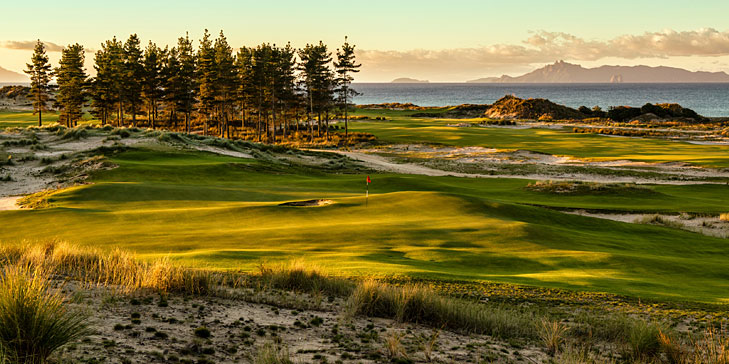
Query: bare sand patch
(9, 203)
(308, 203)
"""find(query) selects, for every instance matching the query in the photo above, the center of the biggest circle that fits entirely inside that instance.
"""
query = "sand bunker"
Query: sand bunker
(308, 203)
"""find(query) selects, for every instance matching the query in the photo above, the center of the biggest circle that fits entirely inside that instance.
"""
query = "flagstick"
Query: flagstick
(367, 194)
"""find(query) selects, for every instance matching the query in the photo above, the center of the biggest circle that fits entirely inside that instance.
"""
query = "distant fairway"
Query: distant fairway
(221, 212)
(401, 128)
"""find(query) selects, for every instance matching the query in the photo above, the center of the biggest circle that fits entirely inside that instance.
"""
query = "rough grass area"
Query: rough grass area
(278, 315)
(578, 187)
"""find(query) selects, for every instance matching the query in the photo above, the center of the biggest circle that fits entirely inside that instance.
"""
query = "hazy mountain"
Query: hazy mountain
(563, 72)
(408, 80)
(10, 76)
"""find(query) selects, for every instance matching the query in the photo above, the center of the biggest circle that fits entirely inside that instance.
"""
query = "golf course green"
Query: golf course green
(212, 211)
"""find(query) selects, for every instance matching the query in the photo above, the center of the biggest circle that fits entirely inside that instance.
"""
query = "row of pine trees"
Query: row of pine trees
(261, 91)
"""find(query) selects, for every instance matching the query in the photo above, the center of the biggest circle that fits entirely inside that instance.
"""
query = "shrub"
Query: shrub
(34, 319)
(202, 332)
(724, 217)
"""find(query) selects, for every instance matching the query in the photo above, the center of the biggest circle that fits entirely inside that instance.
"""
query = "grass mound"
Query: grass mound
(34, 321)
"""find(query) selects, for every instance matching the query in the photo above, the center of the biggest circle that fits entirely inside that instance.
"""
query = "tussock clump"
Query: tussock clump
(724, 217)
(419, 304)
(74, 133)
(643, 341)
(660, 221)
(34, 320)
(272, 353)
(122, 132)
(301, 277)
(579, 187)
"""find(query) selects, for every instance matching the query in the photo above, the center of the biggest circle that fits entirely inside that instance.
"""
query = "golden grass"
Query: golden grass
(117, 268)
(724, 217)
(34, 318)
(419, 304)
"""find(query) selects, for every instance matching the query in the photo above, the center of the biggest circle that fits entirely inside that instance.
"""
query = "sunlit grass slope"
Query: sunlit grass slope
(222, 212)
(401, 128)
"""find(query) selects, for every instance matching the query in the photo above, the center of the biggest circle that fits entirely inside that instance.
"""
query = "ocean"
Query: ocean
(708, 99)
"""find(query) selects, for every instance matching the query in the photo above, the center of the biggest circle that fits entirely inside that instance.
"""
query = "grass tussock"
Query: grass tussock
(116, 268)
(34, 320)
(300, 277)
(724, 217)
(552, 335)
(273, 353)
(660, 221)
(419, 304)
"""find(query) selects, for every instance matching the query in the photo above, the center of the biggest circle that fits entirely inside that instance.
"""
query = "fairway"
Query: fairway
(401, 128)
(220, 212)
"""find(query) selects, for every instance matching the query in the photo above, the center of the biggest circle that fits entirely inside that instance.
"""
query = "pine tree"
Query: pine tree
(317, 78)
(206, 78)
(225, 81)
(345, 66)
(187, 79)
(40, 73)
(246, 93)
(102, 87)
(172, 85)
(133, 75)
(286, 73)
(71, 78)
(152, 80)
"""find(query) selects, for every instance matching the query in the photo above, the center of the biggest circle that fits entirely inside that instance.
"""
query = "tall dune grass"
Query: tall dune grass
(419, 304)
(34, 319)
(117, 268)
(302, 277)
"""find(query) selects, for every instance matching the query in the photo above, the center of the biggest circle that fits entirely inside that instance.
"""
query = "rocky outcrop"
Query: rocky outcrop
(512, 107)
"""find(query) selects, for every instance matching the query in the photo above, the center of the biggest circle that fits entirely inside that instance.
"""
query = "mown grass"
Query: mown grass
(401, 128)
(218, 212)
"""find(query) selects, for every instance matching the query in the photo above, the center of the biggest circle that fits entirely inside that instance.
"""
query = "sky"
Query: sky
(440, 41)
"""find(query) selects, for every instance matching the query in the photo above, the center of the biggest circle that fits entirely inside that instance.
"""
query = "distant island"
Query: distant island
(408, 80)
(563, 72)
(10, 76)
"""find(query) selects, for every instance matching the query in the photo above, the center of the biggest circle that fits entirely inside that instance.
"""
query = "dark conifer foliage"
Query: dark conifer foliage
(264, 93)
(345, 67)
(72, 84)
(40, 72)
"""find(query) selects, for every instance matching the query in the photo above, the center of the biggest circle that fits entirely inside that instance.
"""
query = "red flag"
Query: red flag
(369, 180)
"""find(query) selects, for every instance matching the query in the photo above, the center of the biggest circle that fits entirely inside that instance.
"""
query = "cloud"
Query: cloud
(30, 45)
(541, 47)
